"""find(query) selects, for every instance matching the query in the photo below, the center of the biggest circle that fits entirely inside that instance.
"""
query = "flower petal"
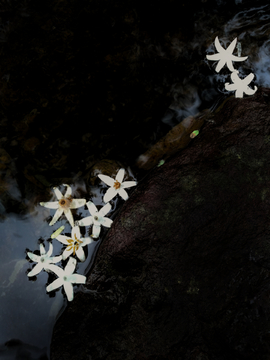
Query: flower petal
(77, 279)
(68, 290)
(68, 191)
(76, 203)
(63, 239)
(68, 251)
(36, 269)
(80, 254)
(108, 180)
(50, 204)
(33, 257)
(120, 175)
(106, 222)
(86, 241)
(56, 216)
(70, 267)
(110, 194)
(95, 231)
(92, 208)
(127, 184)
(58, 193)
(85, 221)
(69, 216)
(55, 269)
(54, 285)
(75, 232)
(50, 251)
(106, 208)
(123, 194)
(42, 249)
(55, 260)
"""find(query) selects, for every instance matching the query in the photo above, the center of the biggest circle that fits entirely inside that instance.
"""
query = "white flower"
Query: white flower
(74, 244)
(225, 56)
(66, 278)
(117, 185)
(97, 219)
(63, 205)
(43, 260)
(240, 85)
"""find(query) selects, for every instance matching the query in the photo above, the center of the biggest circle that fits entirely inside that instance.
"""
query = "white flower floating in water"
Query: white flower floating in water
(225, 56)
(97, 218)
(66, 278)
(64, 205)
(43, 260)
(240, 85)
(117, 185)
(74, 244)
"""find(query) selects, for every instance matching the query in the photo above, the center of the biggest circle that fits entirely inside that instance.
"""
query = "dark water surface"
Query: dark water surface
(88, 81)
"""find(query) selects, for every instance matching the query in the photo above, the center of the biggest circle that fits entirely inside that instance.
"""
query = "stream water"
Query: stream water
(40, 149)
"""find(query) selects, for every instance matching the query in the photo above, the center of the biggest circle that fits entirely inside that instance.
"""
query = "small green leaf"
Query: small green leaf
(161, 162)
(194, 134)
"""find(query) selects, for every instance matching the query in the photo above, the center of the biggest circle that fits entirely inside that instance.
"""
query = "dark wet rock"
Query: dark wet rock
(184, 271)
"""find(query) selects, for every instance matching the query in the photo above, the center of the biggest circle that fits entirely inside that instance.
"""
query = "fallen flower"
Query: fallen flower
(63, 205)
(66, 278)
(43, 260)
(225, 56)
(117, 185)
(74, 244)
(97, 218)
(240, 85)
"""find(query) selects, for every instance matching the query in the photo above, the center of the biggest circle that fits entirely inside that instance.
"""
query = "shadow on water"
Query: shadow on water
(84, 84)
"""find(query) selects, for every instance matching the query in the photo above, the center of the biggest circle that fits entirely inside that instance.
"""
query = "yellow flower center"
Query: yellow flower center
(74, 244)
(116, 185)
(65, 202)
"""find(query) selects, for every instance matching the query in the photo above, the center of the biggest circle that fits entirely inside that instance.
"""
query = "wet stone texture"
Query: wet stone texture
(184, 271)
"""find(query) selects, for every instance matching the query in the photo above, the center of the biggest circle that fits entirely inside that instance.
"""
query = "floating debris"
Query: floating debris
(57, 232)
(194, 134)
(161, 162)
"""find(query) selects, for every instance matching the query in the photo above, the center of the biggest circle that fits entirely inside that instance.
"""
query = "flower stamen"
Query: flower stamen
(65, 202)
(116, 185)
(74, 244)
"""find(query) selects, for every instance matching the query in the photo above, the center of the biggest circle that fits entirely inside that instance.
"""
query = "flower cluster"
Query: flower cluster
(226, 57)
(75, 243)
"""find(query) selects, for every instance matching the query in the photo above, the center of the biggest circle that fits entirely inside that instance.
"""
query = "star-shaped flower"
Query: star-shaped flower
(66, 278)
(117, 185)
(63, 205)
(74, 244)
(225, 56)
(97, 218)
(43, 260)
(241, 85)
